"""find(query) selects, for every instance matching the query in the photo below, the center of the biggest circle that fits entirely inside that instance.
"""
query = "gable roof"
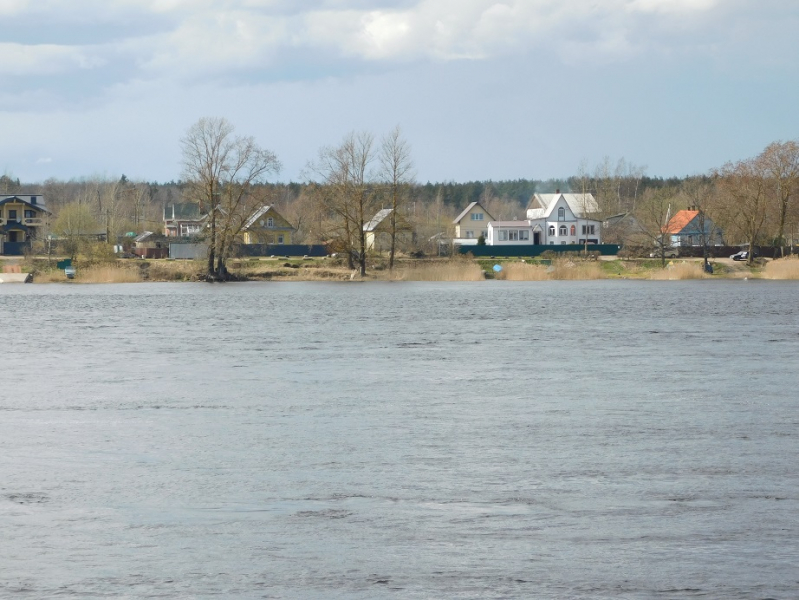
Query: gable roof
(377, 219)
(470, 207)
(680, 221)
(261, 212)
(14, 198)
(579, 204)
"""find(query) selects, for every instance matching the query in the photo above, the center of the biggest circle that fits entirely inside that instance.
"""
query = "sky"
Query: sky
(481, 89)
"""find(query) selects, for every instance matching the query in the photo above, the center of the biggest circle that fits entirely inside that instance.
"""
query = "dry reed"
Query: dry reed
(523, 272)
(446, 271)
(677, 271)
(177, 270)
(108, 274)
(784, 268)
(567, 269)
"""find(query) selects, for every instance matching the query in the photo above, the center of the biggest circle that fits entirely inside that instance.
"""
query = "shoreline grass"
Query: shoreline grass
(430, 269)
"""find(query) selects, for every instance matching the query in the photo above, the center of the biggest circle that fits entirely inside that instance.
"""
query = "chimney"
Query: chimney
(557, 190)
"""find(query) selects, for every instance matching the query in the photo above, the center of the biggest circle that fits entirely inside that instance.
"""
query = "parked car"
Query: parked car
(742, 255)
(668, 253)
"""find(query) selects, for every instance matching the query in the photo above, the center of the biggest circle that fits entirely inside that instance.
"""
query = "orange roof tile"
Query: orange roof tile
(678, 222)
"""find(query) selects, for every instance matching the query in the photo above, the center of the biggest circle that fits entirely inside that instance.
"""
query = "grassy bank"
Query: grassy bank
(457, 269)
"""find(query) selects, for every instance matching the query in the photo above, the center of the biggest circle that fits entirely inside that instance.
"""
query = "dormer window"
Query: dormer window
(33, 199)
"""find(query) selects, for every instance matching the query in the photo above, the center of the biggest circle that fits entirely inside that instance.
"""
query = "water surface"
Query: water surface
(605, 439)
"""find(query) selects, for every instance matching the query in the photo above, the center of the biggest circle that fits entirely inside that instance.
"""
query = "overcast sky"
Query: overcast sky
(482, 89)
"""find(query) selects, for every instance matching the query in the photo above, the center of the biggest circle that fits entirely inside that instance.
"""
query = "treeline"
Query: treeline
(751, 201)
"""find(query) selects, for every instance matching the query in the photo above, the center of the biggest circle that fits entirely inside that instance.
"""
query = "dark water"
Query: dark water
(497, 440)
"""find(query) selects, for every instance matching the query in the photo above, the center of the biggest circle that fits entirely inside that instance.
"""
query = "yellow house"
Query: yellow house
(22, 217)
(267, 226)
(472, 222)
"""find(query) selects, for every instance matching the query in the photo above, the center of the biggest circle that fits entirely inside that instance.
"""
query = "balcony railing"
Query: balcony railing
(30, 222)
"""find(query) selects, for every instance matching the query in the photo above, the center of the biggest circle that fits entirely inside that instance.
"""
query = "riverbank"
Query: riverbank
(406, 269)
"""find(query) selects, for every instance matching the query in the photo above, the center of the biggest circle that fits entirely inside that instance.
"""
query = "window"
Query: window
(477, 216)
(513, 235)
(33, 199)
(503, 235)
(12, 214)
(469, 235)
(270, 222)
(561, 214)
(280, 239)
(29, 214)
(524, 234)
(588, 229)
(573, 230)
(551, 230)
(562, 230)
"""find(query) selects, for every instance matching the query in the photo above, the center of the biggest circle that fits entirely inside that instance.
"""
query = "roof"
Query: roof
(143, 236)
(5, 199)
(470, 207)
(495, 224)
(183, 211)
(680, 221)
(377, 219)
(579, 204)
(261, 212)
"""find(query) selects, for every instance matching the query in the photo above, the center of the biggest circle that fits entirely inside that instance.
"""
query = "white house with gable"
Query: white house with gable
(552, 219)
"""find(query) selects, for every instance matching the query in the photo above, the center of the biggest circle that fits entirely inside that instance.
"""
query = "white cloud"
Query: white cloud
(45, 59)
(187, 39)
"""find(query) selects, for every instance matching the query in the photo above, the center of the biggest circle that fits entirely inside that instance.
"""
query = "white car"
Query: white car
(668, 253)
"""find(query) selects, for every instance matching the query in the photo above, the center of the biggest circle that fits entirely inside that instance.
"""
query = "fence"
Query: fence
(532, 250)
(281, 250)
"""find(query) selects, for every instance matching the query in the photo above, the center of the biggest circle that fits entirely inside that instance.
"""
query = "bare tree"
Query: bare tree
(221, 170)
(652, 216)
(700, 193)
(396, 170)
(780, 163)
(346, 192)
(744, 189)
(75, 224)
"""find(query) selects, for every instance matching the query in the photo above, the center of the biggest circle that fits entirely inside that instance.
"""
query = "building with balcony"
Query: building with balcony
(22, 219)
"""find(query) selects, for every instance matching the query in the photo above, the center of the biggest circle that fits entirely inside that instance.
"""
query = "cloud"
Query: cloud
(251, 40)
(45, 59)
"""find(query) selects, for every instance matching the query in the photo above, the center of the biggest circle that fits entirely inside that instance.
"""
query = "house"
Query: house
(267, 226)
(378, 230)
(22, 218)
(184, 219)
(691, 227)
(556, 224)
(624, 228)
(150, 245)
(471, 224)
(581, 205)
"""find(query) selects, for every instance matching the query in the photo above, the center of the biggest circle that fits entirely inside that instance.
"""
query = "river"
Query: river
(595, 439)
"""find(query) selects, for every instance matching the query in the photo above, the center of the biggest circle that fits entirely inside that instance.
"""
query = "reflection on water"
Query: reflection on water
(497, 439)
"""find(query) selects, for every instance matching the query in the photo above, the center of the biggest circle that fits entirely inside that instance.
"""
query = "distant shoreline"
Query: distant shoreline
(434, 269)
